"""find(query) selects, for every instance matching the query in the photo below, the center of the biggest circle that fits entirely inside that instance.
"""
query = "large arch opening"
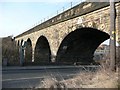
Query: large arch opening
(42, 51)
(28, 52)
(79, 46)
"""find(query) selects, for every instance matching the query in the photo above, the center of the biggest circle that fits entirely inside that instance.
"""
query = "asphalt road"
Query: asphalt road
(32, 78)
(29, 78)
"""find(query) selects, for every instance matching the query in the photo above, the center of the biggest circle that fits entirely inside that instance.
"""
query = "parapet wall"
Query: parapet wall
(78, 10)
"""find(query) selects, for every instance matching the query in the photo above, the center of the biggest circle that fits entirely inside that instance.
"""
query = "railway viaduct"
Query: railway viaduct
(71, 36)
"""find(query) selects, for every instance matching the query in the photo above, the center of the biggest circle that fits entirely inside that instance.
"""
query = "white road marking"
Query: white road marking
(22, 79)
(33, 78)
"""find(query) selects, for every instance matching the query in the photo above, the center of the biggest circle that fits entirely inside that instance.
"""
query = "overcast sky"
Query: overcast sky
(17, 17)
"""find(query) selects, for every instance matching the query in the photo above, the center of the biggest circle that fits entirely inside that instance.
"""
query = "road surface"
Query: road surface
(29, 78)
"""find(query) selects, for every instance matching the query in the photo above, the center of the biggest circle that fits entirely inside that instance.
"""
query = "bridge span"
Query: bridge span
(71, 36)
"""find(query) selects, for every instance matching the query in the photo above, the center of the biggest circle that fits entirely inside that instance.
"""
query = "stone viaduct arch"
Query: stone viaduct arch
(58, 30)
(17, 43)
(21, 43)
(42, 52)
(28, 52)
(79, 46)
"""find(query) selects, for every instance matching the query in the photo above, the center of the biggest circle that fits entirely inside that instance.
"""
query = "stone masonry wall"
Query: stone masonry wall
(99, 19)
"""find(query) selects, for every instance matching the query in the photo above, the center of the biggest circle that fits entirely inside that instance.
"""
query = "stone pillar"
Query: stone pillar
(54, 48)
(53, 56)
(33, 50)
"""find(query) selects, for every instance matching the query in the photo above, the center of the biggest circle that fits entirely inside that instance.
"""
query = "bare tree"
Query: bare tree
(10, 52)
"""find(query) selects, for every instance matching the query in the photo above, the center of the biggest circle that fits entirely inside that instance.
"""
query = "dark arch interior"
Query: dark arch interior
(79, 46)
(28, 52)
(21, 42)
(18, 43)
(42, 51)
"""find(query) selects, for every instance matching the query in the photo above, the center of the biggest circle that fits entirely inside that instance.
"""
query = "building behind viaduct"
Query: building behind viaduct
(71, 36)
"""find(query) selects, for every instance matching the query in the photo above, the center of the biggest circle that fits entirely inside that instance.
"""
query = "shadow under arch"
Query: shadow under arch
(21, 43)
(42, 53)
(28, 52)
(79, 46)
(18, 43)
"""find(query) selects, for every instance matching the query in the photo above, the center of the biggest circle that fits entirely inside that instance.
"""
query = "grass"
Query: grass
(103, 78)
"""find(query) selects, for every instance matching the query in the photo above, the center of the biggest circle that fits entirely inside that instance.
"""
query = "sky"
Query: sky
(17, 17)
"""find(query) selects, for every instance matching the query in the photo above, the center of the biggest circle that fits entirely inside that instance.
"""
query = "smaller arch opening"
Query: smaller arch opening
(42, 53)
(28, 52)
(21, 42)
(18, 43)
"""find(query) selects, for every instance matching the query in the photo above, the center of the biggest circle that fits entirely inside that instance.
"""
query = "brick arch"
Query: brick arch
(79, 45)
(42, 51)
